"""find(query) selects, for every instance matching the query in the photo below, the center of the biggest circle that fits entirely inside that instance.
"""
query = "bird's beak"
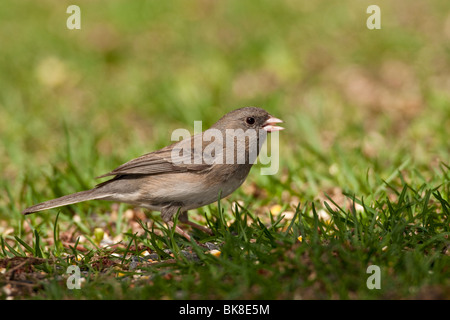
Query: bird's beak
(270, 124)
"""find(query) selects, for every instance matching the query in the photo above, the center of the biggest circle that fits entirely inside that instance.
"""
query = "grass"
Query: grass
(364, 173)
(407, 239)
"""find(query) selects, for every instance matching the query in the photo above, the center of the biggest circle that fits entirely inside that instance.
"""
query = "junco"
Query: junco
(185, 175)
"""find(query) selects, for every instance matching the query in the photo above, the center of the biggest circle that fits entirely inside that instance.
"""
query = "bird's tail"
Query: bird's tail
(66, 200)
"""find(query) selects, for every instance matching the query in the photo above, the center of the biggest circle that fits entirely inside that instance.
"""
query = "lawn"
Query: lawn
(359, 208)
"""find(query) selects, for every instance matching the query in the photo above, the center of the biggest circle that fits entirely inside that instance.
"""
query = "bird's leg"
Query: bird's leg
(179, 230)
(167, 214)
(183, 217)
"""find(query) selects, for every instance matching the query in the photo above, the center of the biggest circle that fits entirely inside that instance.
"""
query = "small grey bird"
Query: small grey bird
(185, 175)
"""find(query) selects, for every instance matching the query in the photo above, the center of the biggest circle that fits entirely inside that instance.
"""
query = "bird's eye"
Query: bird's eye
(250, 120)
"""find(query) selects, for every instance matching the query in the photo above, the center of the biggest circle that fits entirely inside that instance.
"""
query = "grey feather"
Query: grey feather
(66, 200)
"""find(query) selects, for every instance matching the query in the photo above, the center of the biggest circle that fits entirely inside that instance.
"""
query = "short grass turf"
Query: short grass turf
(363, 179)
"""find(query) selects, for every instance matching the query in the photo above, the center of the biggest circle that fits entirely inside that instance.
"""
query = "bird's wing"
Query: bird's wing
(179, 157)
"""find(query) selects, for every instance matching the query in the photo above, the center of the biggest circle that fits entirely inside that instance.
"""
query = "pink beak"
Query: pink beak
(270, 124)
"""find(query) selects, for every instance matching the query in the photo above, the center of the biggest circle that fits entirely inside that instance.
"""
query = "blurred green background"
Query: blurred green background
(357, 102)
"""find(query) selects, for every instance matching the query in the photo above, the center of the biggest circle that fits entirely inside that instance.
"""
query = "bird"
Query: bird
(186, 175)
